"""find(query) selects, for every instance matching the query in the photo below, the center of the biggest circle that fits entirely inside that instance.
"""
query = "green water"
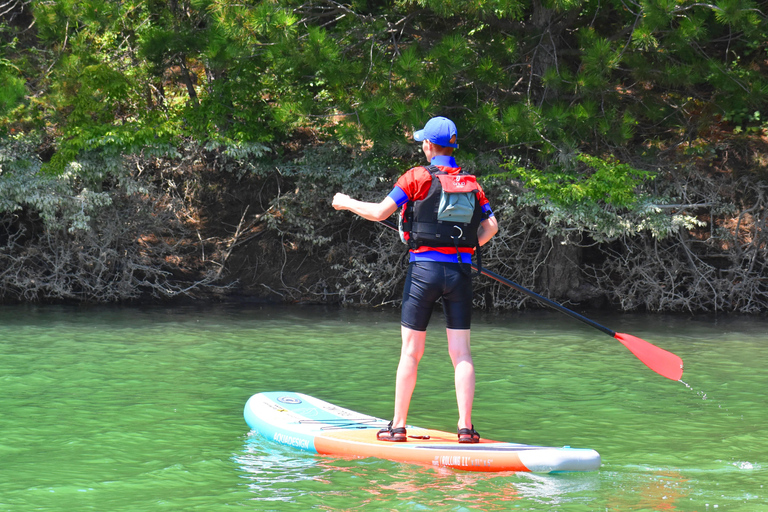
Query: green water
(141, 409)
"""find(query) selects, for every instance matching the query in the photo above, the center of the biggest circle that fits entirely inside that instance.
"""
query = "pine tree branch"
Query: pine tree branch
(711, 6)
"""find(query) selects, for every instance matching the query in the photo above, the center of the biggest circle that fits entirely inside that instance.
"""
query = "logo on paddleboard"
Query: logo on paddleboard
(289, 400)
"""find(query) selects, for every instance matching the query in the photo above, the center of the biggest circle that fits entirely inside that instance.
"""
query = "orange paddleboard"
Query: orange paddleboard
(313, 425)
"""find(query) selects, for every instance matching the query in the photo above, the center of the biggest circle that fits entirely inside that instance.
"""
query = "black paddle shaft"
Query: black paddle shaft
(531, 293)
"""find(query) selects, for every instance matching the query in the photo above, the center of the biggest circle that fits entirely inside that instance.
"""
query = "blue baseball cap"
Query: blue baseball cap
(440, 131)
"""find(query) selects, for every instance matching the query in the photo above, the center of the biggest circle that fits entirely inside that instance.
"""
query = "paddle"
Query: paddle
(657, 359)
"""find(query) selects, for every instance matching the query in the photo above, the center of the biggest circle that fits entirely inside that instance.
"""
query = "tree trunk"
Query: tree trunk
(559, 275)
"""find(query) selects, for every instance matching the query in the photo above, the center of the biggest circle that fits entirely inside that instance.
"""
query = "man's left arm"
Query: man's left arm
(490, 226)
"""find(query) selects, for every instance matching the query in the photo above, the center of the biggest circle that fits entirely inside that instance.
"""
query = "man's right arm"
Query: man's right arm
(370, 211)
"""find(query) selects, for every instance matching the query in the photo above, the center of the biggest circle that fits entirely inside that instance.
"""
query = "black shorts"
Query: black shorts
(426, 282)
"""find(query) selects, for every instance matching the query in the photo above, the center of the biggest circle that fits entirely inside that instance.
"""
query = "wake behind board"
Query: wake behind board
(316, 426)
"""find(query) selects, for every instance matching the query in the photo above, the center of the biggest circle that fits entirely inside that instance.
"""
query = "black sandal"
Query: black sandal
(395, 435)
(468, 435)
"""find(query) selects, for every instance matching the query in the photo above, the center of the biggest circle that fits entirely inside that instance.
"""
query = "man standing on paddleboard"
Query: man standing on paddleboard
(445, 217)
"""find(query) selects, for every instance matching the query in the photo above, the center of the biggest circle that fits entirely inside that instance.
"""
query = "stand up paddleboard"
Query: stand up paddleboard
(310, 424)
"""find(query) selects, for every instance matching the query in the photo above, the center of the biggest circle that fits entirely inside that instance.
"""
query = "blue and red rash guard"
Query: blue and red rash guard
(414, 186)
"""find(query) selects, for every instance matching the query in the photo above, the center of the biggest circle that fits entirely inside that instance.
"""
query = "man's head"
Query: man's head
(440, 131)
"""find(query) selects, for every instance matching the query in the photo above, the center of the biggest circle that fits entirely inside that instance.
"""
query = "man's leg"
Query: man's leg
(464, 373)
(407, 369)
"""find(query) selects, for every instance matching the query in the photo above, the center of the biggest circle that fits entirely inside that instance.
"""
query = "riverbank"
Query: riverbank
(190, 226)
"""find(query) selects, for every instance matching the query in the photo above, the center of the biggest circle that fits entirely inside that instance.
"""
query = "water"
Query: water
(128, 409)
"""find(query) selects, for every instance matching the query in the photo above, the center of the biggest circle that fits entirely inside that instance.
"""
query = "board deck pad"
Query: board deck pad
(316, 426)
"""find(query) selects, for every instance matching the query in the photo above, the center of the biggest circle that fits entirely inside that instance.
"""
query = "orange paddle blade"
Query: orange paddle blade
(657, 359)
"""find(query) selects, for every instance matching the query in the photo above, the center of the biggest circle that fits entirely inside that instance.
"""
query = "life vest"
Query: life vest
(448, 216)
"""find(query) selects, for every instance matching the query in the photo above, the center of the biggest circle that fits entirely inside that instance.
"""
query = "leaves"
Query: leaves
(598, 181)
(555, 83)
(12, 87)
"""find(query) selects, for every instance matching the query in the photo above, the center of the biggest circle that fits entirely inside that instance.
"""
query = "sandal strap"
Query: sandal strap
(474, 436)
(392, 432)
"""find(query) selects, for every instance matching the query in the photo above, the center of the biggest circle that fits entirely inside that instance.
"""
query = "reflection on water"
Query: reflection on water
(560, 488)
(272, 470)
(648, 490)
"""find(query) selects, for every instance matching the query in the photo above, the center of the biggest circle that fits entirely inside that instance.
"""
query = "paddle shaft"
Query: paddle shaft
(531, 293)
(548, 302)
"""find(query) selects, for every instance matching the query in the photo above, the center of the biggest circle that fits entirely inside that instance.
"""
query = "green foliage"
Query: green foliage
(261, 71)
(512, 9)
(606, 200)
(597, 181)
(12, 87)
(63, 201)
(699, 48)
(603, 198)
(536, 81)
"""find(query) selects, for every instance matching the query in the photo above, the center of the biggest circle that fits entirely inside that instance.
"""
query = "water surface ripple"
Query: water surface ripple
(140, 409)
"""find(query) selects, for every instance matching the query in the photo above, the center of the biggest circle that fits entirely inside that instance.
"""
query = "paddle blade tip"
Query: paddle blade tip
(657, 359)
